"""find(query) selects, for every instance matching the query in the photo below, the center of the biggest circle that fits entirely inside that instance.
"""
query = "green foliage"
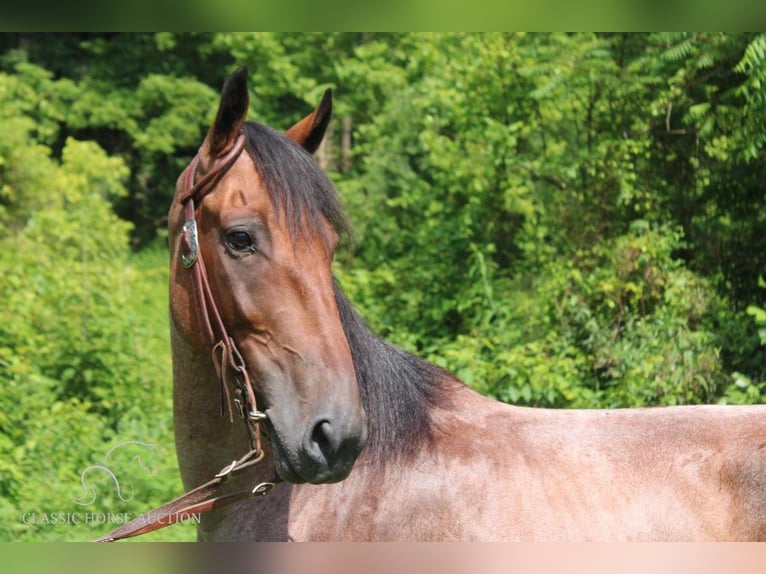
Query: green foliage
(84, 361)
(623, 324)
(517, 159)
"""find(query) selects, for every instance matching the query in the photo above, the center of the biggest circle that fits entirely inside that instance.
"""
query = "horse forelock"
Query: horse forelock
(298, 188)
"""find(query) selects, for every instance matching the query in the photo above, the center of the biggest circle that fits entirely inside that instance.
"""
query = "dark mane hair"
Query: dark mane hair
(297, 186)
(398, 390)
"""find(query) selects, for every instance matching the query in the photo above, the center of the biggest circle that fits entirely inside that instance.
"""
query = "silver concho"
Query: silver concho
(189, 231)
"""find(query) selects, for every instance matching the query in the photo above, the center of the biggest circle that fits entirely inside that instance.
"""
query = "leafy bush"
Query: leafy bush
(84, 359)
(623, 324)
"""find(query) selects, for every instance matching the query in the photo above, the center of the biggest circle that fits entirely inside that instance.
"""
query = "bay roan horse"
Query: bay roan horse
(375, 444)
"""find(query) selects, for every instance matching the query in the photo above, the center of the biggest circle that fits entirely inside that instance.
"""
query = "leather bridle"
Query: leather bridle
(236, 386)
(226, 356)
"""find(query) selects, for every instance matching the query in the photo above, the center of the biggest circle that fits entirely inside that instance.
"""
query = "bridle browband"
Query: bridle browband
(235, 383)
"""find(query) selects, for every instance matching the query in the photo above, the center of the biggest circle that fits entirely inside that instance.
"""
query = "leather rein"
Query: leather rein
(236, 386)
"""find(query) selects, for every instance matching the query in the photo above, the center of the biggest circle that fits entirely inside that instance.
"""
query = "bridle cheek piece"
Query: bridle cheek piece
(229, 364)
(236, 386)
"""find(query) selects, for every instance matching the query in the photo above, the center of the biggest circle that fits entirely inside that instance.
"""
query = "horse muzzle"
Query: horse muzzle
(322, 451)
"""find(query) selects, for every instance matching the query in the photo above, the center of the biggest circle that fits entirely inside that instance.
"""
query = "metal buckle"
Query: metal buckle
(226, 471)
(257, 416)
(189, 231)
(263, 488)
(240, 408)
(240, 397)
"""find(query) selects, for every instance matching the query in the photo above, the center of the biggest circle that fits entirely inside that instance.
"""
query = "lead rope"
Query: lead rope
(226, 358)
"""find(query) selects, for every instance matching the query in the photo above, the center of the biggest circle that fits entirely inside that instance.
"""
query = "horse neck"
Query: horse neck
(206, 440)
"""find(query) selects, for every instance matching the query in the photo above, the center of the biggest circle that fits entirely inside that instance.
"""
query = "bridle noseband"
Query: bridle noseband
(236, 386)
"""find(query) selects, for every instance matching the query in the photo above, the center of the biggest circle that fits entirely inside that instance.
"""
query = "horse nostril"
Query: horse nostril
(325, 437)
(328, 449)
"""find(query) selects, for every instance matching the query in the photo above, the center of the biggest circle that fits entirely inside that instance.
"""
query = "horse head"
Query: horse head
(266, 226)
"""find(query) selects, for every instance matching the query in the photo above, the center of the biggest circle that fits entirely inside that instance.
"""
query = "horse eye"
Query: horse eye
(239, 240)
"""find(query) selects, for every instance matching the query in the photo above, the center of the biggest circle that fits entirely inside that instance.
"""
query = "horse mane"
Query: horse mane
(398, 390)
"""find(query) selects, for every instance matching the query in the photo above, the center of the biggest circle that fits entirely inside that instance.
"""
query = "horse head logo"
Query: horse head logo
(88, 496)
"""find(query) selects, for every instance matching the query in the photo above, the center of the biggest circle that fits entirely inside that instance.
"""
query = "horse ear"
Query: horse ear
(232, 111)
(310, 131)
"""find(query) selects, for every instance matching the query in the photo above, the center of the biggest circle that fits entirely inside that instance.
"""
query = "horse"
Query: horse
(365, 441)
